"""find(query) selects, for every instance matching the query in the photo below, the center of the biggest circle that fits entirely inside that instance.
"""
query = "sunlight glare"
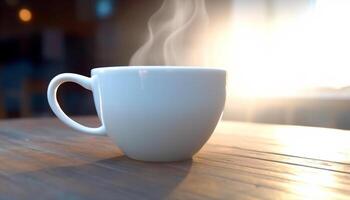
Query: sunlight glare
(315, 144)
(286, 56)
(315, 185)
(311, 142)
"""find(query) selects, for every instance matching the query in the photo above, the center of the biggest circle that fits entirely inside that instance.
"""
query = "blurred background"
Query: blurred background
(288, 60)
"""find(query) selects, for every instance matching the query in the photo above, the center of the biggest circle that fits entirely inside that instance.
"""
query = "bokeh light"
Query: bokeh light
(25, 15)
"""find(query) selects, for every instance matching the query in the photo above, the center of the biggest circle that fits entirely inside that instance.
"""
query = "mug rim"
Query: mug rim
(170, 67)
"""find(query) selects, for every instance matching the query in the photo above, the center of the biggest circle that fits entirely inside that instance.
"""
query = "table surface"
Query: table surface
(43, 159)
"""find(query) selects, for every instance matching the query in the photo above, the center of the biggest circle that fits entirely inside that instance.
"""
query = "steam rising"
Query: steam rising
(176, 34)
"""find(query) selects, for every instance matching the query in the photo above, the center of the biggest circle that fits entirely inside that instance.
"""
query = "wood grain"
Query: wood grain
(43, 159)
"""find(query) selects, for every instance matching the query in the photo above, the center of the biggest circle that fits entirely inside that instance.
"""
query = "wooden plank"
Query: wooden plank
(44, 158)
(305, 142)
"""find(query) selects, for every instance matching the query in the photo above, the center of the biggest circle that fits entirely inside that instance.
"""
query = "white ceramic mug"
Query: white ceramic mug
(151, 113)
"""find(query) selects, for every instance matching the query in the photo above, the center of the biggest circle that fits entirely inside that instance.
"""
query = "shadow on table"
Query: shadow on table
(114, 178)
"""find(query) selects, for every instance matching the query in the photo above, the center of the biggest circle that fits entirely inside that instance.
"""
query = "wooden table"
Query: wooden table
(43, 159)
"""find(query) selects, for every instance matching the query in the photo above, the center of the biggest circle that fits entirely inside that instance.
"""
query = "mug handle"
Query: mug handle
(85, 82)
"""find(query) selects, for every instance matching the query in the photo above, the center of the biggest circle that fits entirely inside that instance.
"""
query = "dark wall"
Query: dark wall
(68, 36)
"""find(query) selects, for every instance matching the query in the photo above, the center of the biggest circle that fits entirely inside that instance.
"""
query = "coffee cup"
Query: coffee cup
(151, 113)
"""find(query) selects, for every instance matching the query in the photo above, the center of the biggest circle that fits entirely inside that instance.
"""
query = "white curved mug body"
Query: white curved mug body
(152, 113)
